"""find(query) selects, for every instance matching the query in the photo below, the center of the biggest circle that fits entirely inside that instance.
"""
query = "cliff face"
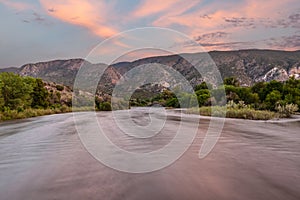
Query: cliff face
(249, 66)
(252, 66)
(59, 71)
(65, 71)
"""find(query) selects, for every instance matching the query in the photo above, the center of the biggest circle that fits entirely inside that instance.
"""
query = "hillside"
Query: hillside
(249, 66)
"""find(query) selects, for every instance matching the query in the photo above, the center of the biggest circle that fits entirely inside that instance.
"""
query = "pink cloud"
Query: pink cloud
(141, 53)
(236, 19)
(90, 14)
(212, 16)
(16, 5)
(149, 7)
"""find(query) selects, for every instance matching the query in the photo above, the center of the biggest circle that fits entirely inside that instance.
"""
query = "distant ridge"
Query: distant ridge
(249, 66)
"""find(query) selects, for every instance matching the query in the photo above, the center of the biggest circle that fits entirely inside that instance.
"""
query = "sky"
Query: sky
(42, 30)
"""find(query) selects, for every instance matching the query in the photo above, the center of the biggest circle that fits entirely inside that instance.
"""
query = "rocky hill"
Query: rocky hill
(249, 66)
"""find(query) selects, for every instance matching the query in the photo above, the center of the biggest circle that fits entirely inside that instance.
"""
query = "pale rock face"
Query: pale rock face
(165, 84)
(276, 74)
(295, 71)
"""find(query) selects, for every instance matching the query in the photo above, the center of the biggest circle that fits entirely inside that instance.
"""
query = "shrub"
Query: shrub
(59, 87)
(242, 113)
(287, 110)
(106, 106)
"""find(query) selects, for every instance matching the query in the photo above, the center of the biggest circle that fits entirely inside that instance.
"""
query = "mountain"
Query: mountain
(249, 66)
(65, 71)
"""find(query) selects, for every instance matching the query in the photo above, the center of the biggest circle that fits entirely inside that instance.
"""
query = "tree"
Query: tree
(203, 86)
(203, 96)
(272, 98)
(173, 102)
(259, 88)
(274, 85)
(39, 95)
(231, 81)
(1, 96)
(105, 106)
(219, 95)
(15, 91)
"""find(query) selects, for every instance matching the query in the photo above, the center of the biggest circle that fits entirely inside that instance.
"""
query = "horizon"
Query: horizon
(38, 30)
(78, 58)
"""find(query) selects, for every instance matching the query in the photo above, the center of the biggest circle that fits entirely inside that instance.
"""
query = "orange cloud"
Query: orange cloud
(16, 5)
(236, 19)
(141, 53)
(90, 14)
(169, 7)
(150, 7)
(212, 16)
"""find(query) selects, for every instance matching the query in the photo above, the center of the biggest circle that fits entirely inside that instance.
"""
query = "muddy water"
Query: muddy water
(43, 158)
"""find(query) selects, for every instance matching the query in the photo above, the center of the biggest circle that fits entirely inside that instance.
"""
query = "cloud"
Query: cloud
(150, 7)
(227, 45)
(51, 10)
(19, 6)
(241, 22)
(211, 36)
(38, 17)
(141, 53)
(163, 11)
(211, 46)
(286, 42)
(90, 14)
(226, 14)
(294, 20)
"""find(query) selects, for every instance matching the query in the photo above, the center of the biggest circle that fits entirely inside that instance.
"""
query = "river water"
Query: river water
(43, 158)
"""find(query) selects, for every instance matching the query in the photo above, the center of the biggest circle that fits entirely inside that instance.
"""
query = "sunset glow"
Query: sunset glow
(49, 29)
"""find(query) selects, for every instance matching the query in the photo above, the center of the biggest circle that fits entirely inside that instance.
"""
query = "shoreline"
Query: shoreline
(177, 112)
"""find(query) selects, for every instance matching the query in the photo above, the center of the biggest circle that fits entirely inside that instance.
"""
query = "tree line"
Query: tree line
(260, 96)
(19, 93)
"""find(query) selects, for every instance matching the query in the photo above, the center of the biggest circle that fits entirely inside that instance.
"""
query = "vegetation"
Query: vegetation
(232, 110)
(30, 112)
(264, 100)
(286, 110)
(22, 97)
(60, 87)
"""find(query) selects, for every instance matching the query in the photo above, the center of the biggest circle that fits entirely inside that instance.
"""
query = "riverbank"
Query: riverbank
(203, 112)
(242, 113)
(30, 112)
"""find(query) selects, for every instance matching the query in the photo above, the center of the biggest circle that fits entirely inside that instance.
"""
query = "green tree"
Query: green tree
(272, 99)
(105, 106)
(203, 86)
(203, 96)
(231, 81)
(1, 96)
(173, 102)
(39, 95)
(16, 92)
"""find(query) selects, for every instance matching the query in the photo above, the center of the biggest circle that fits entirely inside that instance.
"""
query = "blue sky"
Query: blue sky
(40, 30)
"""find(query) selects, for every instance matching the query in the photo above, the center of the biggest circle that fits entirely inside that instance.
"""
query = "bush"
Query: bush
(106, 106)
(239, 105)
(242, 113)
(287, 110)
(173, 103)
(59, 87)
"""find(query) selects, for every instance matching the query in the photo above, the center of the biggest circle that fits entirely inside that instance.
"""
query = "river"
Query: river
(43, 158)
